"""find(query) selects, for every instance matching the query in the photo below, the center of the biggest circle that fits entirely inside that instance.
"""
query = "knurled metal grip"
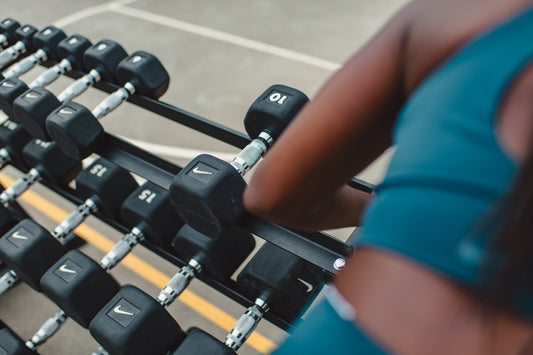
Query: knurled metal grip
(51, 74)
(8, 280)
(4, 157)
(114, 100)
(19, 187)
(48, 329)
(179, 282)
(121, 249)
(3, 40)
(26, 64)
(251, 154)
(246, 324)
(10, 54)
(75, 218)
(79, 86)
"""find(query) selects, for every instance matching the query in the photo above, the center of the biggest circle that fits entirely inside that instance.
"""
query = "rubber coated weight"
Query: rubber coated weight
(31, 109)
(273, 110)
(30, 250)
(79, 286)
(219, 257)
(13, 138)
(10, 89)
(8, 28)
(104, 57)
(145, 72)
(286, 281)
(72, 49)
(107, 184)
(48, 39)
(52, 164)
(148, 209)
(12, 344)
(199, 342)
(125, 324)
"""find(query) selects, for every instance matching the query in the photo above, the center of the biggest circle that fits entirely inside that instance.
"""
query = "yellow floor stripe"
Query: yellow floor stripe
(143, 269)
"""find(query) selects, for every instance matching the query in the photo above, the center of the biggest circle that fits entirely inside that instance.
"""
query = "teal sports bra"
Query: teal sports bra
(449, 169)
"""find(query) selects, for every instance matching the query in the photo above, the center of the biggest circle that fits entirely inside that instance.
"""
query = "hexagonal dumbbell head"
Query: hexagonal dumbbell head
(8, 27)
(219, 257)
(25, 35)
(273, 110)
(207, 194)
(13, 138)
(52, 164)
(32, 108)
(149, 210)
(145, 72)
(10, 89)
(75, 129)
(12, 344)
(104, 57)
(199, 342)
(79, 286)
(48, 39)
(134, 323)
(286, 282)
(30, 250)
(72, 49)
(107, 184)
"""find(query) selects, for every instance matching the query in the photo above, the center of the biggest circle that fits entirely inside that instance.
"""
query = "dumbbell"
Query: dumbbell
(8, 28)
(23, 38)
(207, 192)
(12, 344)
(148, 211)
(45, 42)
(77, 130)
(46, 161)
(104, 186)
(277, 280)
(33, 106)
(13, 138)
(134, 323)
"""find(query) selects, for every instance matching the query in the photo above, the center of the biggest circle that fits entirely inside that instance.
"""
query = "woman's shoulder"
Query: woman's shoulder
(434, 29)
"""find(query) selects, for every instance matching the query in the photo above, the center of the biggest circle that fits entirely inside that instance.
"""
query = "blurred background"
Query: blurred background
(220, 56)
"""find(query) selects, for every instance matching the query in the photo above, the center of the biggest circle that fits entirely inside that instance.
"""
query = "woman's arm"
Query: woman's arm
(302, 181)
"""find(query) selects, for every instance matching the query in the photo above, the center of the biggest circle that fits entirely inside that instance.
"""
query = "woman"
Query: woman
(442, 265)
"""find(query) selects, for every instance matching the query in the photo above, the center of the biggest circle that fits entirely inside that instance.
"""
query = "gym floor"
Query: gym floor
(220, 56)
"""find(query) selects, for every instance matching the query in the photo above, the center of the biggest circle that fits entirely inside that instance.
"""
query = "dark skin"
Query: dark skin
(404, 305)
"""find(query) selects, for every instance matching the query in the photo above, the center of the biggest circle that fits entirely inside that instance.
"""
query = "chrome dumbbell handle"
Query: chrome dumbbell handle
(251, 154)
(18, 187)
(25, 65)
(179, 282)
(121, 249)
(48, 329)
(79, 86)
(74, 219)
(114, 100)
(51, 74)
(246, 324)
(8, 280)
(10, 54)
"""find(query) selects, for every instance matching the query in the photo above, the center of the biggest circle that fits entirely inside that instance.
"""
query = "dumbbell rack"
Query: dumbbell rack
(319, 249)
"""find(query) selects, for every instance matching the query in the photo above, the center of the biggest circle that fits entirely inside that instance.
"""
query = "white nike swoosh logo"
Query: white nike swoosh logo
(64, 268)
(8, 85)
(306, 284)
(203, 172)
(17, 235)
(120, 311)
(32, 96)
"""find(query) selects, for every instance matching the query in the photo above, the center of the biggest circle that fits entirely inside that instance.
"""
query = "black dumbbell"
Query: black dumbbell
(207, 192)
(277, 280)
(13, 138)
(80, 287)
(8, 28)
(77, 130)
(104, 186)
(12, 344)
(45, 42)
(29, 250)
(218, 258)
(23, 38)
(199, 342)
(125, 323)
(101, 61)
(46, 161)
(148, 213)
(34, 105)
